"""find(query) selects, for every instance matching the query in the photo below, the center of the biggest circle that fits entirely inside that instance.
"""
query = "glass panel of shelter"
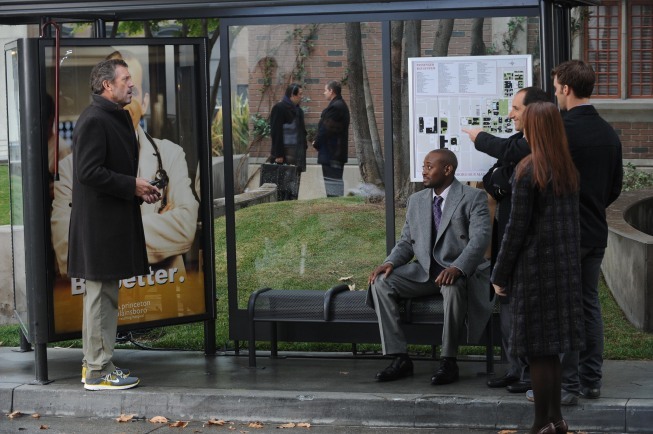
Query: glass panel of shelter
(317, 242)
(312, 241)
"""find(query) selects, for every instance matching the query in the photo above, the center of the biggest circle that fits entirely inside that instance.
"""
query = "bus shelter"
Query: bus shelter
(238, 73)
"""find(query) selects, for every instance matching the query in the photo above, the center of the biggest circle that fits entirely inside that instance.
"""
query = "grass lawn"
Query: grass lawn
(4, 195)
(314, 244)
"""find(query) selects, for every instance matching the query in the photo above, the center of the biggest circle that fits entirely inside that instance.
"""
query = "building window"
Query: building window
(603, 48)
(641, 49)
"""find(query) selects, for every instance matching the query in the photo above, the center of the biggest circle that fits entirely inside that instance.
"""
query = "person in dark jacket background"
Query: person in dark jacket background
(332, 140)
(596, 150)
(539, 261)
(288, 133)
(106, 238)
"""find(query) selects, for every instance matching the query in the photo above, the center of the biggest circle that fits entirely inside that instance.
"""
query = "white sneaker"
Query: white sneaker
(114, 380)
(120, 371)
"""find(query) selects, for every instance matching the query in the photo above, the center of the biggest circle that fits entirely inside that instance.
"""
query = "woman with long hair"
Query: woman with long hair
(539, 261)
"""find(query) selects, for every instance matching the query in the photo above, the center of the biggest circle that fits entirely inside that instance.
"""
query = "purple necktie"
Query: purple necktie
(437, 212)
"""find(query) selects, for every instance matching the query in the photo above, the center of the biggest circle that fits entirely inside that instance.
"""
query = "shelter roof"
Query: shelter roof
(31, 12)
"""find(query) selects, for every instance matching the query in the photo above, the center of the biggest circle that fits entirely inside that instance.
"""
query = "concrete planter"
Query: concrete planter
(628, 262)
(240, 174)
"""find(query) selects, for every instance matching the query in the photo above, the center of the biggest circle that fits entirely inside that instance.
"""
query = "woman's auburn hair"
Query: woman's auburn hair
(550, 160)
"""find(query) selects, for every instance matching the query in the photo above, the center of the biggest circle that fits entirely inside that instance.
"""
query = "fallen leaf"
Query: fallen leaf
(287, 425)
(256, 425)
(342, 279)
(36, 416)
(125, 417)
(233, 428)
(218, 422)
(14, 415)
(44, 427)
(352, 287)
(303, 425)
(159, 419)
(178, 424)
(507, 431)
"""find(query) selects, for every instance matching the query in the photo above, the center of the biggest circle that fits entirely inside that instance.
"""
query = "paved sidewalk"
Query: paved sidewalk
(337, 391)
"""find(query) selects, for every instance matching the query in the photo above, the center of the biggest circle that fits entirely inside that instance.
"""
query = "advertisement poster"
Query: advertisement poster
(447, 94)
(168, 147)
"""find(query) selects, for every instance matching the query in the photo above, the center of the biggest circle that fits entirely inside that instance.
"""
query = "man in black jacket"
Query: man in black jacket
(288, 134)
(596, 150)
(508, 151)
(332, 141)
(106, 238)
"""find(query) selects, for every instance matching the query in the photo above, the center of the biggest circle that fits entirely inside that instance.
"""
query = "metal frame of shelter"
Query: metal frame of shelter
(555, 47)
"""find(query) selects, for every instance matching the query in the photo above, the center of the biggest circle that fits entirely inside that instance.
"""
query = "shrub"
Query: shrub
(239, 128)
(635, 179)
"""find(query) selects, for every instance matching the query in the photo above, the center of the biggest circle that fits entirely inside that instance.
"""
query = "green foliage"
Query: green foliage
(5, 212)
(515, 25)
(239, 128)
(635, 179)
(260, 126)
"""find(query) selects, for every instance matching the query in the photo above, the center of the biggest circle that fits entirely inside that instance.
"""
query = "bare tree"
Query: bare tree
(371, 119)
(443, 37)
(357, 106)
(411, 43)
(478, 46)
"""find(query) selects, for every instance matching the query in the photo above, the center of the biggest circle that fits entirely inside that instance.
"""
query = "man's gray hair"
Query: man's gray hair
(105, 70)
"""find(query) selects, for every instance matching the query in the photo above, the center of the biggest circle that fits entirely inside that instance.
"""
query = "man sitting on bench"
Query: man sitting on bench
(447, 232)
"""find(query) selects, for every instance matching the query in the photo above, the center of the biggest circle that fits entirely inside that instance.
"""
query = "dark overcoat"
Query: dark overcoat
(332, 140)
(106, 238)
(539, 265)
(288, 117)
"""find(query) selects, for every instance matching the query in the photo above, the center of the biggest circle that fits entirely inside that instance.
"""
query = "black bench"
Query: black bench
(339, 305)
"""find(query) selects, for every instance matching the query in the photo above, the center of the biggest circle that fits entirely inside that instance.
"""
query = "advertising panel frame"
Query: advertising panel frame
(41, 273)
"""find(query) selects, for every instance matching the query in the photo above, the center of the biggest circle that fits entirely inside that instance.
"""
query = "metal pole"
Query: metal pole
(25, 346)
(99, 28)
(41, 364)
(546, 45)
(388, 176)
(209, 337)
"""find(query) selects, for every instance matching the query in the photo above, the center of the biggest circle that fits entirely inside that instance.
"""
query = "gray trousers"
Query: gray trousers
(386, 294)
(99, 326)
(518, 366)
(585, 368)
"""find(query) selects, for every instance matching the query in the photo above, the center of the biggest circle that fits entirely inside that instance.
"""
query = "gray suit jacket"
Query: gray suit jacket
(463, 237)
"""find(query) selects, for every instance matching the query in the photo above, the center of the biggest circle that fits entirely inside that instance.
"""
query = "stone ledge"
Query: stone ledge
(628, 262)
(263, 194)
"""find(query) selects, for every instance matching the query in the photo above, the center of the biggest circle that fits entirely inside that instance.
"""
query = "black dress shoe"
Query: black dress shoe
(502, 381)
(448, 372)
(590, 392)
(399, 368)
(547, 429)
(519, 387)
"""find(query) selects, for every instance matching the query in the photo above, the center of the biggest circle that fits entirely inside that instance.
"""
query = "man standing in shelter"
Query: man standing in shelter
(106, 231)
(596, 151)
(508, 152)
(441, 250)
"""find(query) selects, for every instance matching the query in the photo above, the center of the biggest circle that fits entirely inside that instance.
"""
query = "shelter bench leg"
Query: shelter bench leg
(252, 344)
(274, 353)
